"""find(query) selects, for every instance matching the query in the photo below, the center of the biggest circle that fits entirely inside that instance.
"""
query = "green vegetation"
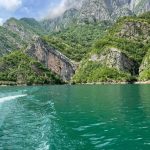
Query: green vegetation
(30, 25)
(17, 34)
(134, 46)
(134, 50)
(76, 41)
(145, 16)
(91, 72)
(33, 25)
(145, 73)
(9, 41)
(20, 68)
(130, 35)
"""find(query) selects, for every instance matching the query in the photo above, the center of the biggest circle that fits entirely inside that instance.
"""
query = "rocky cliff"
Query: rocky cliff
(62, 22)
(135, 30)
(115, 58)
(93, 11)
(98, 10)
(16, 34)
(17, 27)
(17, 68)
(51, 58)
(140, 6)
(121, 55)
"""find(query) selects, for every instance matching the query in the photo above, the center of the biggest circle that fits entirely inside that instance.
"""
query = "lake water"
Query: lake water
(84, 117)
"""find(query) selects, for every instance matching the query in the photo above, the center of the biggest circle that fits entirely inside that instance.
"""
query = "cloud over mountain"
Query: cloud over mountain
(10, 5)
(62, 7)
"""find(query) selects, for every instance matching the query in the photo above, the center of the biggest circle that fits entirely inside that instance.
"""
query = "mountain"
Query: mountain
(61, 22)
(9, 41)
(140, 6)
(76, 41)
(19, 68)
(93, 11)
(17, 34)
(122, 55)
(20, 35)
(91, 34)
(51, 58)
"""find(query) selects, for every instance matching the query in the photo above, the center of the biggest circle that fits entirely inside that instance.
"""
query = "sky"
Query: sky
(37, 9)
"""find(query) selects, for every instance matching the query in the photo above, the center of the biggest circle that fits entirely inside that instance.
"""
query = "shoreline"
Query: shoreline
(115, 83)
(11, 83)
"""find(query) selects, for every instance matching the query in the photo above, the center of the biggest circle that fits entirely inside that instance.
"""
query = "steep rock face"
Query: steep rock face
(61, 22)
(17, 27)
(19, 68)
(99, 10)
(9, 41)
(16, 34)
(112, 9)
(52, 59)
(135, 30)
(114, 58)
(140, 6)
(91, 11)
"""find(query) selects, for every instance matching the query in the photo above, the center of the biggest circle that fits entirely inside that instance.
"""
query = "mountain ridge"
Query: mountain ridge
(98, 10)
(108, 42)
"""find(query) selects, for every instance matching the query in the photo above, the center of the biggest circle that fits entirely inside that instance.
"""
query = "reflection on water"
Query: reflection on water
(82, 117)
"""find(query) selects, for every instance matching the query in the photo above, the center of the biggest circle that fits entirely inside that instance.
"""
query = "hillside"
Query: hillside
(122, 55)
(17, 34)
(9, 41)
(19, 68)
(76, 41)
(91, 34)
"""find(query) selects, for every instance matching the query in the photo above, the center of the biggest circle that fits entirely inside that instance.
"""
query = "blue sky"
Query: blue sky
(29, 8)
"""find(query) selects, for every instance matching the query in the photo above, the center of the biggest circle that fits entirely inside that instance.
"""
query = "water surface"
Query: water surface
(84, 117)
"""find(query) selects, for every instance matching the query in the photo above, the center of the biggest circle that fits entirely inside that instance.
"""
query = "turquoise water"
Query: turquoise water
(84, 117)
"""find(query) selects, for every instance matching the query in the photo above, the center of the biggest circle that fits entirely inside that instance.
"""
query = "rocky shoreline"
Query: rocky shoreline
(11, 83)
(113, 83)
(116, 83)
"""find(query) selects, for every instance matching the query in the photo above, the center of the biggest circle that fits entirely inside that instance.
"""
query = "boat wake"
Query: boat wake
(8, 98)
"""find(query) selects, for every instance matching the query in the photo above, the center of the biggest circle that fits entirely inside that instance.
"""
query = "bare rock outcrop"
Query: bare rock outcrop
(136, 30)
(114, 58)
(51, 58)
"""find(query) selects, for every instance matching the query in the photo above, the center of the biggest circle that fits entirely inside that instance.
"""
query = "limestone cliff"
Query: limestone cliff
(15, 25)
(91, 11)
(121, 55)
(115, 58)
(16, 34)
(135, 30)
(51, 58)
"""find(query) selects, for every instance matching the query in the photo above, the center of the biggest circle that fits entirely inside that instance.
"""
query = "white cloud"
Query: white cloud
(10, 5)
(62, 7)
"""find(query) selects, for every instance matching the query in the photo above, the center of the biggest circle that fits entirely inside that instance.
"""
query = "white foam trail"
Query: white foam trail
(8, 98)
